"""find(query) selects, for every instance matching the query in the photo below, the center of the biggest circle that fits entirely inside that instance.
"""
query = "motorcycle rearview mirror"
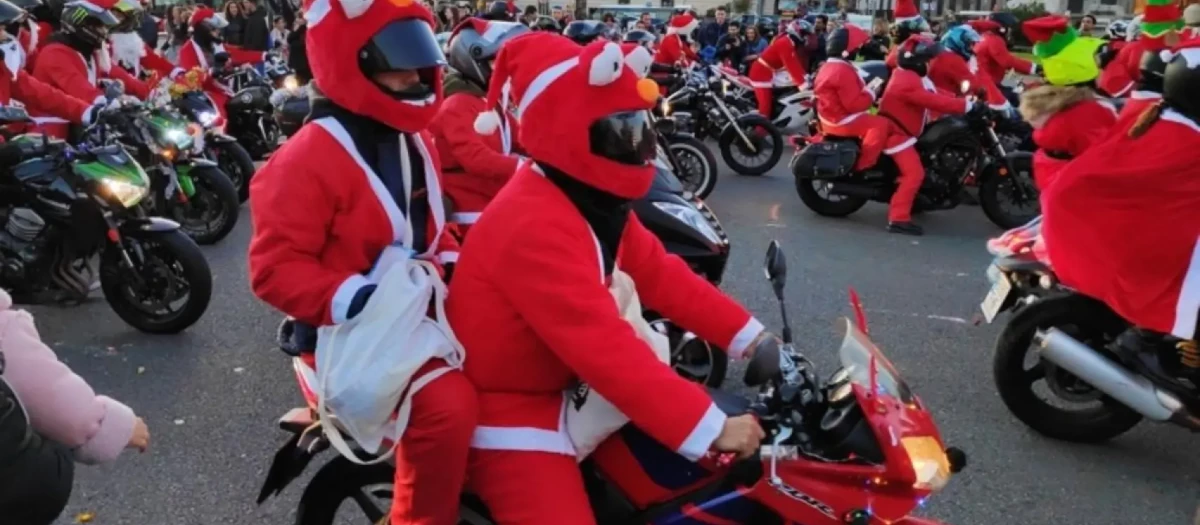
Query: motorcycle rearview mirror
(776, 270)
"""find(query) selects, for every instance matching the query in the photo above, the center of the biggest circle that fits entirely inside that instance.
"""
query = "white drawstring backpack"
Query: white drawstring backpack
(590, 418)
(364, 365)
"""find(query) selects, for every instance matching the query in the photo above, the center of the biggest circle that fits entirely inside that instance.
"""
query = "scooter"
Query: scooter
(858, 449)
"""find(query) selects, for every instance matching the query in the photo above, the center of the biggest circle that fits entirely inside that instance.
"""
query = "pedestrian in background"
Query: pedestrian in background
(256, 34)
(232, 33)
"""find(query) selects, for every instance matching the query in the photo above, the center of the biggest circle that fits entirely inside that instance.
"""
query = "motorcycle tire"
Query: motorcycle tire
(221, 196)
(807, 190)
(1087, 320)
(341, 480)
(749, 123)
(990, 197)
(235, 161)
(175, 253)
(685, 147)
(696, 360)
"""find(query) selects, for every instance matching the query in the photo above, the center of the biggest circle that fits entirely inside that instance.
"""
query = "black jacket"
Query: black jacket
(232, 33)
(298, 55)
(149, 31)
(257, 31)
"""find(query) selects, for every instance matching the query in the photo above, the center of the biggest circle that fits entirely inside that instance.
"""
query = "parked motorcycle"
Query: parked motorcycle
(63, 209)
(859, 449)
(225, 150)
(191, 190)
(249, 110)
(956, 151)
(690, 160)
(749, 143)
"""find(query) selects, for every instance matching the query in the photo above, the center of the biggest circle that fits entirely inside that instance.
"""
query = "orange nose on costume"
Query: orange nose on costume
(648, 90)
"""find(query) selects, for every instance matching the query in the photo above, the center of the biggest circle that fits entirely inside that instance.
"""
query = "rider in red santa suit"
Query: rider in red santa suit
(957, 66)
(844, 100)
(1115, 235)
(128, 48)
(352, 181)
(206, 48)
(1157, 31)
(789, 51)
(676, 46)
(76, 58)
(475, 166)
(533, 283)
(1148, 90)
(17, 85)
(908, 101)
(993, 56)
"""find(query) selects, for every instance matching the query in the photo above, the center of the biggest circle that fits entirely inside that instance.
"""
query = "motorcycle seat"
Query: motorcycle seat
(1021, 265)
(729, 403)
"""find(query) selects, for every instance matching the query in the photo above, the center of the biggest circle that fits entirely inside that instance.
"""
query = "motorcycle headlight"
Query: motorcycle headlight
(929, 462)
(290, 82)
(206, 118)
(129, 195)
(665, 107)
(690, 216)
(178, 138)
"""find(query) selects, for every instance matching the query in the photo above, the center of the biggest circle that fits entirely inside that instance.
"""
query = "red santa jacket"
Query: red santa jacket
(908, 102)
(841, 94)
(780, 53)
(63, 67)
(530, 289)
(475, 166)
(673, 50)
(1122, 74)
(1114, 234)
(1065, 129)
(321, 219)
(33, 39)
(31, 92)
(995, 59)
(949, 70)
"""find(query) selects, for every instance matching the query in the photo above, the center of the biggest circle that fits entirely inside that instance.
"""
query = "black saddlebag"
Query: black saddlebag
(827, 159)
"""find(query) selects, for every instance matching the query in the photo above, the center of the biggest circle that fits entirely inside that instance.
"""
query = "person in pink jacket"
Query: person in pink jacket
(49, 417)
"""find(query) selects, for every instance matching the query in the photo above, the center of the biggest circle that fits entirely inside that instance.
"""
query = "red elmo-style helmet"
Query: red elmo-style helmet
(349, 42)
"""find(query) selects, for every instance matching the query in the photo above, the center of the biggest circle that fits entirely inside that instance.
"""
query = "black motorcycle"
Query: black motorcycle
(690, 160)
(249, 110)
(225, 150)
(72, 215)
(750, 144)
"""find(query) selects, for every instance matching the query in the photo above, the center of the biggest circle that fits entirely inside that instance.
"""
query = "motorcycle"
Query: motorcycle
(291, 107)
(689, 159)
(198, 107)
(956, 151)
(859, 448)
(191, 190)
(65, 208)
(749, 142)
(792, 108)
(249, 110)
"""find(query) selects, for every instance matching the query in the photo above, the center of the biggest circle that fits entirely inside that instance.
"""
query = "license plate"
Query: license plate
(995, 298)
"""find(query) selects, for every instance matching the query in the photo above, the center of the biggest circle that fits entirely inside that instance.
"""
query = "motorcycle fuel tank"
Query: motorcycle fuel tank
(941, 131)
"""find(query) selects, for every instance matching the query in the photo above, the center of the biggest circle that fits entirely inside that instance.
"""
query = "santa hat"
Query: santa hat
(560, 89)
(983, 25)
(1049, 34)
(1188, 50)
(207, 17)
(1160, 17)
(683, 24)
(906, 11)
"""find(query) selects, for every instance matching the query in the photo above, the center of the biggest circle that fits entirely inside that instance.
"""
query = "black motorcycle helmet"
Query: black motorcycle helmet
(405, 44)
(1008, 22)
(640, 37)
(545, 23)
(1181, 86)
(1153, 69)
(471, 54)
(499, 10)
(584, 32)
(902, 31)
(47, 11)
(916, 52)
(839, 44)
(86, 24)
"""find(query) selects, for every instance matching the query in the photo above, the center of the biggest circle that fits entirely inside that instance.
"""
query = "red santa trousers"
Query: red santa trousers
(872, 130)
(762, 78)
(912, 173)
(530, 488)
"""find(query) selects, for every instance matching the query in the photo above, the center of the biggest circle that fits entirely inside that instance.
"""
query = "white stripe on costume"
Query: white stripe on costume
(1178, 118)
(447, 257)
(1145, 95)
(316, 12)
(703, 435)
(1186, 308)
(741, 341)
(543, 81)
(395, 216)
(466, 217)
(339, 307)
(1121, 92)
(901, 146)
(526, 439)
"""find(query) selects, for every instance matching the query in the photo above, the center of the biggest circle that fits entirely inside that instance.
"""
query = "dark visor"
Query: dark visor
(402, 45)
(623, 137)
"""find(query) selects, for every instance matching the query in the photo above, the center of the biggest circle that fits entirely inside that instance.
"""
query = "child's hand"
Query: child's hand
(141, 436)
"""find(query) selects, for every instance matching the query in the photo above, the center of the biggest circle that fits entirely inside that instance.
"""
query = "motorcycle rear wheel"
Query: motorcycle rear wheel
(235, 161)
(218, 197)
(991, 191)
(751, 124)
(1085, 319)
(169, 260)
(824, 205)
(693, 155)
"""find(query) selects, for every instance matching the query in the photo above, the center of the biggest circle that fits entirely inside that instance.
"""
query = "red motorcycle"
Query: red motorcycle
(858, 449)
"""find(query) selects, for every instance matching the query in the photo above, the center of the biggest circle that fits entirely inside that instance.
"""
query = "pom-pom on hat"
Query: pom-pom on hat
(560, 89)
(1160, 17)
(906, 10)
(684, 24)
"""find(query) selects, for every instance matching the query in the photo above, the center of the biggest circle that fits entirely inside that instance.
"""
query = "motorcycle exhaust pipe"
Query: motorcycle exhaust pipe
(1132, 390)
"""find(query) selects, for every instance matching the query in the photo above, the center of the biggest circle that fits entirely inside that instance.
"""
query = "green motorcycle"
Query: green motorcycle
(184, 186)
(71, 216)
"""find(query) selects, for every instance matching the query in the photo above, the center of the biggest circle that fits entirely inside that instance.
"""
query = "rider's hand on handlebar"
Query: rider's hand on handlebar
(742, 435)
(764, 338)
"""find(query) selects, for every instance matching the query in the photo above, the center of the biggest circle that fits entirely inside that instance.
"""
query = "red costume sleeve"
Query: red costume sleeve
(187, 56)
(791, 60)
(891, 58)
(995, 97)
(948, 70)
(292, 216)
(61, 67)
(154, 62)
(239, 56)
(668, 52)
(996, 50)
(1120, 76)
(936, 102)
(133, 86)
(468, 147)
(554, 284)
(39, 95)
(667, 285)
(44, 32)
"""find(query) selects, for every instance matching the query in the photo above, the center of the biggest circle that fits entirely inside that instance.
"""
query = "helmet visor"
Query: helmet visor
(401, 45)
(623, 137)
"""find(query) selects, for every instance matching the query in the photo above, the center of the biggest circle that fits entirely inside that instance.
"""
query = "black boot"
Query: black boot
(906, 228)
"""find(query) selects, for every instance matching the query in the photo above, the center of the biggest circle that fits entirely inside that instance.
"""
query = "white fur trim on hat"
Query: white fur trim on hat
(606, 66)
(487, 123)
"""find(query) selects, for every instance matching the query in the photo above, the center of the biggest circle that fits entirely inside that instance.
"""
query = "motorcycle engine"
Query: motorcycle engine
(946, 170)
(18, 246)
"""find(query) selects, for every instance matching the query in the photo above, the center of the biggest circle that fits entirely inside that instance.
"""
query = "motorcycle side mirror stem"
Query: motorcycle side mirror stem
(776, 270)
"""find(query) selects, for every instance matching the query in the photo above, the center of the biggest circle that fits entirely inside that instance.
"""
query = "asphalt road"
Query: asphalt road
(211, 396)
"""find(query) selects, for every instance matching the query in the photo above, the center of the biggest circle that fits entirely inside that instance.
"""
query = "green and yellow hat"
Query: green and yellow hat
(1065, 57)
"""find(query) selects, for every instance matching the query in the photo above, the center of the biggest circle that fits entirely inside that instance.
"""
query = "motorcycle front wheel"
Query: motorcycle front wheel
(235, 161)
(1086, 414)
(212, 210)
(696, 165)
(1011, 201)
(157, 282)
(367, 487)
(761, 154)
